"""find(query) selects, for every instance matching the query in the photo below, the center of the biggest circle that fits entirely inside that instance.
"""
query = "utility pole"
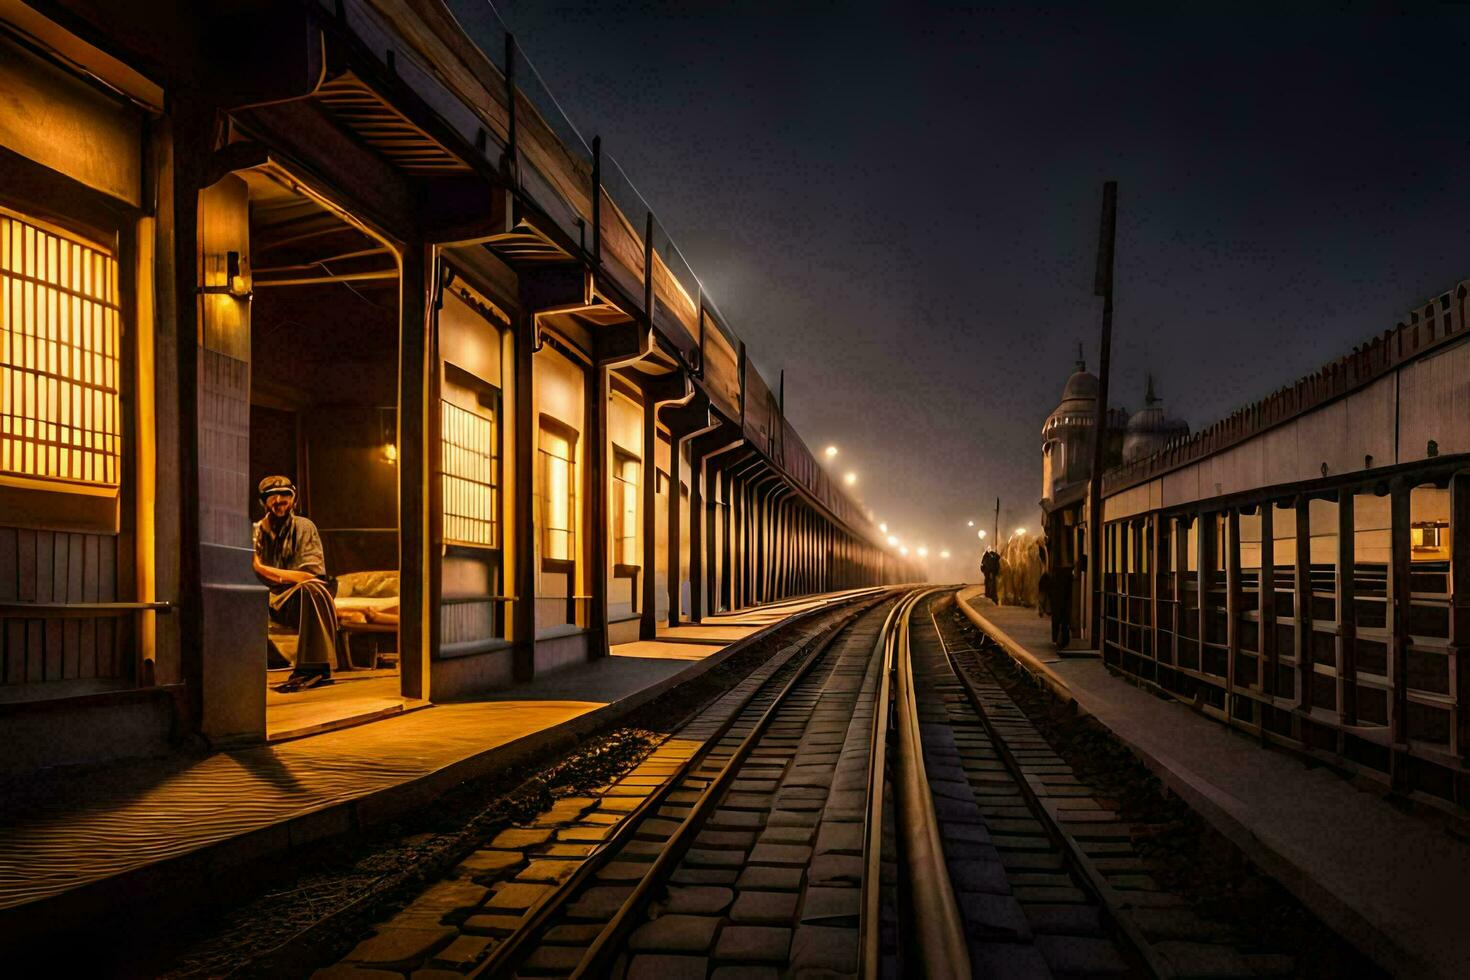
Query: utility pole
(1103, 286)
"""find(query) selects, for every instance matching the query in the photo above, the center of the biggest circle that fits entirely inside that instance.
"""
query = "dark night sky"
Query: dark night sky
(898, 205)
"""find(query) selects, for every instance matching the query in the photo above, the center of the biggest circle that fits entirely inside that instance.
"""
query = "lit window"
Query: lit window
(60, 339)
(558, 493)
(471, 466)
(625, 508)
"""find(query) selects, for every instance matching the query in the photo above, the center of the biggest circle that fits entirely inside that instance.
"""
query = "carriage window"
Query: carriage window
(60, 340)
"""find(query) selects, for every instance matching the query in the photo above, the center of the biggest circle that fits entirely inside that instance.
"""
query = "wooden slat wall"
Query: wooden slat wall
(60, 566)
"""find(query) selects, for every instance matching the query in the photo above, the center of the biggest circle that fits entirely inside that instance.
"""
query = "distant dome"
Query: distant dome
(1079, 400)
(1149, 429)
(1082, 384)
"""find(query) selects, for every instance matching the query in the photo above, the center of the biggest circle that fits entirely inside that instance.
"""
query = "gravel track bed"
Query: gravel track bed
(1180, 848)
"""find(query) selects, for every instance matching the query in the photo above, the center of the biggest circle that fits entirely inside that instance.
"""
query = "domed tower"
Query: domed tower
(1150, 430)
(1066, 438)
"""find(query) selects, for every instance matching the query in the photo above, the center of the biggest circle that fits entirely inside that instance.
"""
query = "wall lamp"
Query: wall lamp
(237, 278)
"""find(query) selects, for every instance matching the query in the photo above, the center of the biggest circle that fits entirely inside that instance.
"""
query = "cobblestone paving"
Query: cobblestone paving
(455, 926)
(773, 883)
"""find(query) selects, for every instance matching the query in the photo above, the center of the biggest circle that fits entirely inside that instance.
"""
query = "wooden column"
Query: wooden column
(523, 503)
(1232, 606)
(1347, 660)
(647, 613)
(1303, 602)
(597, 468)
(1204, 578)
(418, 626)
(1155, 552)
(1266, 638)
(1459, 648)
(1399, 588)
(675, 523)
(696, 537)
(711, 524)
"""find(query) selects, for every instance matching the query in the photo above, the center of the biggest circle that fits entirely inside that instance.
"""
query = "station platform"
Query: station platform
(77, 842)
(1392, 882)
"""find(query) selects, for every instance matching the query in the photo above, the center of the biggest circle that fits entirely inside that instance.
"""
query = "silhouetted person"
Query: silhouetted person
(1059, 585)
(990, 568)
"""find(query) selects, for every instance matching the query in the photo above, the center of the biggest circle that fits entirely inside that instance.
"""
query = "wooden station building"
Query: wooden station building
(353, 242)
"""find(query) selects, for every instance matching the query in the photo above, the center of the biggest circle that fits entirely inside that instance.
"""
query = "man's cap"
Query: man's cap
(276, 484)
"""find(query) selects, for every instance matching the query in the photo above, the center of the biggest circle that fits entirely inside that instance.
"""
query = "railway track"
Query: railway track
(867, 802)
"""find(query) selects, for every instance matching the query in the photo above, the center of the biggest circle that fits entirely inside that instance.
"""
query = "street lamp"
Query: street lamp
(969, 524)
(831, 452)
(892, 540)
(944, 554)
(903, 551)
(981, 534)
(1020, 530)
(923, 552)
(850, 479)
(883, 528)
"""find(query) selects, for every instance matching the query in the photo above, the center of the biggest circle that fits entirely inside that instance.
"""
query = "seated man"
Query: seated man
(289, 559)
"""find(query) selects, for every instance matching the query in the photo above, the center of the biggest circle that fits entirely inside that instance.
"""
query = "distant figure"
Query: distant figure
(990, 568)
(1043, 584)
(1059, 583)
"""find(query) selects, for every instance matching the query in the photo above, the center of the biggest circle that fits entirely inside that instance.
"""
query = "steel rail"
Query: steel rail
(507, 954)
(870, 925)
(596, 961)
(936, 927)
(1084, 871)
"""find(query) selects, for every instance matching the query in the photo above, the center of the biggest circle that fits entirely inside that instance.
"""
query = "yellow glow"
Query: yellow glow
(390, 453)
(892, 540)
(60, 357)
(831, 451)
(557, 467)
(944, 554)
(850, 479)
(923, 552)
(981, 535)
(969, 524)
(903, 551)
(883, 528)
(1020, 530)
(624, 507)
(467, 442)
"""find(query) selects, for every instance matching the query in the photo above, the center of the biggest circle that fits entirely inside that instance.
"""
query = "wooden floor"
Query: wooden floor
(60, 831)
(352, 698)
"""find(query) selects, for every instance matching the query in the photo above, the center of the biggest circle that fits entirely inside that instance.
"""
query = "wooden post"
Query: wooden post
(1266, 609)
(417, 623)
(696, 536)
(1232, 606)
(1347, 672)
(523, 505)
(1459, 647)
(647, 615)
(675, 521)
(1400, 543)
(1204, 577)
(597, 474)
(1303, 602)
